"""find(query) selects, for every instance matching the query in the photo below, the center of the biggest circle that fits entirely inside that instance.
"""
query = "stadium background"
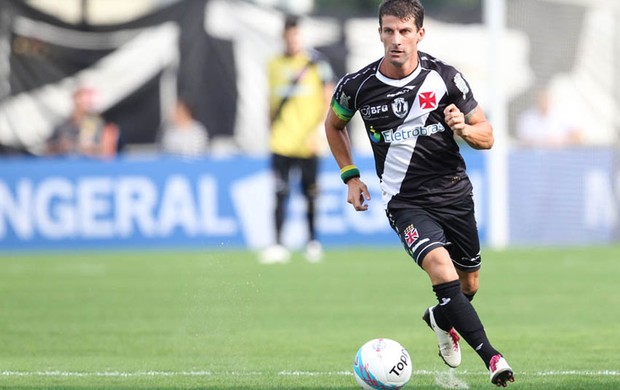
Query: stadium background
(141, 55)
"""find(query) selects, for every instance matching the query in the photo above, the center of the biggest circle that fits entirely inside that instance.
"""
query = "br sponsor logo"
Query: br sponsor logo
(402, 134)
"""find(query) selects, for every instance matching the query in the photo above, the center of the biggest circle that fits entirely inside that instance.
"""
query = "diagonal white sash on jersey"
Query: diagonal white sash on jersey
(401, 152)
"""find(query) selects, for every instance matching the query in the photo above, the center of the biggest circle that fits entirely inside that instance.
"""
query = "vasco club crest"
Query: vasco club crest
(400, 107)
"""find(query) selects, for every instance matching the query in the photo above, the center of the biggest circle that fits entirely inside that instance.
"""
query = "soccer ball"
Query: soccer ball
(382, 364)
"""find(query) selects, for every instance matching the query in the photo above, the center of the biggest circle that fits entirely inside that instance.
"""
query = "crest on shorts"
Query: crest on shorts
(411, 235)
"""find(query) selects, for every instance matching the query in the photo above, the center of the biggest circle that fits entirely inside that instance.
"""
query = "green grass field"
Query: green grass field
(206, 320)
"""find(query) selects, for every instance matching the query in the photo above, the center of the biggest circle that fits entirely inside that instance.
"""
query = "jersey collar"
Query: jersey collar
(398, 82)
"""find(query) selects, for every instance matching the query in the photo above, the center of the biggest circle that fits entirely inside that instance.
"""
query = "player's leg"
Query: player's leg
(462, 315)
(440, 269)
(461, 232)
(453, 304)
(464, 250)
(422, 235)
(310, 190)
(280, 168)
(424, 239)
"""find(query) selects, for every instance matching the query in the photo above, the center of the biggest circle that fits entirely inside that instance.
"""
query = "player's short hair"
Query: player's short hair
(403, 9)
(291, 21)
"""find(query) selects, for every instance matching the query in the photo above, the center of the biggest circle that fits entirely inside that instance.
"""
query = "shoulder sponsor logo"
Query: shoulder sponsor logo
(460, 83)
(344, 100)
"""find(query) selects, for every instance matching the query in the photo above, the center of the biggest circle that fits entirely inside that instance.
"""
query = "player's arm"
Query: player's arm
(473, 127)
(340, 146)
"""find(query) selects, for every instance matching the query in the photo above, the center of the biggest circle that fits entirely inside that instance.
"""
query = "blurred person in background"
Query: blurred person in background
(544, 126)
(300, 87)
(413, 105)
(85, 133)
(184, 135)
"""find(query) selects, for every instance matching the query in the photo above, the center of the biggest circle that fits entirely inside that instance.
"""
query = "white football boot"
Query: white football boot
(314, 252)
(275, 254)
(501, 373)
(448, 341)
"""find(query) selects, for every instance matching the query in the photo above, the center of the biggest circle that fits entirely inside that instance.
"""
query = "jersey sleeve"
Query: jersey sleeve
(342, 104)
(460, 92)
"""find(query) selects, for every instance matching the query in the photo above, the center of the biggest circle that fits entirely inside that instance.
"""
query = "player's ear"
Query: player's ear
(380, 35)
(421, 33)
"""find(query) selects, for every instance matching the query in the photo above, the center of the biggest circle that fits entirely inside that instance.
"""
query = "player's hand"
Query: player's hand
(358, 194)
(455, 119)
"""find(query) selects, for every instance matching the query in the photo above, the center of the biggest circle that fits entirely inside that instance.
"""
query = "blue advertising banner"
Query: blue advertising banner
(563, 197)
(166, 202)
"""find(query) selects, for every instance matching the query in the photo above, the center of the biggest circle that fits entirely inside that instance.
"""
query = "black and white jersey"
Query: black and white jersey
(416, 156)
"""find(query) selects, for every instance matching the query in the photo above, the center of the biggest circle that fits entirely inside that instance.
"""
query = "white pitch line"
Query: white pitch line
(464, 372)
(111, 374)
(315, 373)
(119, 374)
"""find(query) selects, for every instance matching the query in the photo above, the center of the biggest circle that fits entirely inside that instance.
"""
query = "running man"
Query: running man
(413, 105)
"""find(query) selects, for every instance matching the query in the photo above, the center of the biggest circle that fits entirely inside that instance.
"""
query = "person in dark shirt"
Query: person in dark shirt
(413, 105)
(85, 132)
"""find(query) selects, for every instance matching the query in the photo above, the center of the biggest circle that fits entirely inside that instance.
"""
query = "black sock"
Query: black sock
(462, 315)
(440, 316)
(310, 219)
(280, 210)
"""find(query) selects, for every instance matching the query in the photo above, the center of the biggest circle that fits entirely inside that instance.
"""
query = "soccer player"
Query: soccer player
(301, 83)
(413, 105)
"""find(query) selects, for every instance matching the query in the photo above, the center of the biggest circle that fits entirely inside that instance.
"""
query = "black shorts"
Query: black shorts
(453, 227)
(283, 166)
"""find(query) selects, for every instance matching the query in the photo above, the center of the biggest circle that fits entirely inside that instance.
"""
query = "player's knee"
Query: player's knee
(282, 192)
(469, 293)
(469, 288)
(469, 283)
(311, 192)
(438, 266)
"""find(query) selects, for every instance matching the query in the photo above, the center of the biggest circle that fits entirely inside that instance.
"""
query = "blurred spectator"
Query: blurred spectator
(85, 133)
(184, 136)
(544, 126)
(300, 89)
